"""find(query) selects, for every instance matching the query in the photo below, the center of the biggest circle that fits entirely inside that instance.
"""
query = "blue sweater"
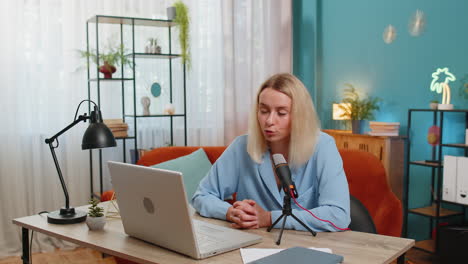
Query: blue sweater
(321, 184)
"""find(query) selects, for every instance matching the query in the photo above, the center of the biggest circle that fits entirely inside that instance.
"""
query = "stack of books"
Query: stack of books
(384, 128)
(118, 127)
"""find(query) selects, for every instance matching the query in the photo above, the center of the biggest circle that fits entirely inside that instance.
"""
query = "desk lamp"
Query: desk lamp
(97, 135)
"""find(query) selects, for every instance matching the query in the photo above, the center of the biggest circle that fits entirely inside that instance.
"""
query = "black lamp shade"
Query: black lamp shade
(98, 135)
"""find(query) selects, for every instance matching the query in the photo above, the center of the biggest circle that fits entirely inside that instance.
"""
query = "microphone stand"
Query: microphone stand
(287, 211)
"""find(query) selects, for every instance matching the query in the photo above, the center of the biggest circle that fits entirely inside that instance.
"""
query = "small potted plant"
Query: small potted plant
(434, 104)
(357, 109)
(108, 60)
(96, 219)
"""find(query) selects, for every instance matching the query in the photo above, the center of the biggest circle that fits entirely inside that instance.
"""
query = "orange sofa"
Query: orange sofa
(365, 174)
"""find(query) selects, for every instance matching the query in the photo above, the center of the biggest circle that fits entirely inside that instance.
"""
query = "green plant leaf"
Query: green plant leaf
(183, 20)
(361, 109)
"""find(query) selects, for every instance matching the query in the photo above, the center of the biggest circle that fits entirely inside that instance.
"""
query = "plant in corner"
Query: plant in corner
(112, 58)
(183, 20)
(357, 109)
(96, 219)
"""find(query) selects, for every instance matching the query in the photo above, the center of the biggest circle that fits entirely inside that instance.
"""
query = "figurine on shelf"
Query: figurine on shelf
(169, 109)
(155, 49)
(146, 102)
(148, 46)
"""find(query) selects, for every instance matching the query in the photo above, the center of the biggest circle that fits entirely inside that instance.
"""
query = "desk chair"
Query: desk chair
(368, 183)
(360, 218)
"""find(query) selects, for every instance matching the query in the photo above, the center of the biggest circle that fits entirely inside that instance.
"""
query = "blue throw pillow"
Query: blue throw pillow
(193, 167)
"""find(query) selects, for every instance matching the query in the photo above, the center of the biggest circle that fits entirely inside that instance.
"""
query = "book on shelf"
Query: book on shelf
(385, 133)
(120, 134)
(113, 121)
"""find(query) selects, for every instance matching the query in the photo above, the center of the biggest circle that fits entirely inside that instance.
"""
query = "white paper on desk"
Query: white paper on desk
(252, 254)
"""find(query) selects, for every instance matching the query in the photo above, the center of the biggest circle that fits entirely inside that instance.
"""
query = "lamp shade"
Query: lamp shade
(98, 135)
(338, 112)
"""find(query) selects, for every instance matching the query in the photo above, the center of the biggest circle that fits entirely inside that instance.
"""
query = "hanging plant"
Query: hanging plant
(183, 20)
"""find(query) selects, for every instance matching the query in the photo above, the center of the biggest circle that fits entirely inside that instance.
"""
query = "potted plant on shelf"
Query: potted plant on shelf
(109, 60)
(96, 219)
(357, 109)
(183, 20)
(434, 104)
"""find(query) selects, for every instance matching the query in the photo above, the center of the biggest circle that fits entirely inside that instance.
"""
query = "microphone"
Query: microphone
(284, 175)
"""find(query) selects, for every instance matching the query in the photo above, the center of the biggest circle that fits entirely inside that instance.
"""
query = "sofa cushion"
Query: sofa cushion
(193, 167)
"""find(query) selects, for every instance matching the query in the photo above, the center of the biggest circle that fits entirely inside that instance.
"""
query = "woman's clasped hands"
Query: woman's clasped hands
(248, 214)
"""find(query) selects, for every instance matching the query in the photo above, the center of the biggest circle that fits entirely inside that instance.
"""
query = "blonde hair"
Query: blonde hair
(305, 125)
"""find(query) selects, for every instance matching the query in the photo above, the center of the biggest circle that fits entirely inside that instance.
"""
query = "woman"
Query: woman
(283, 121)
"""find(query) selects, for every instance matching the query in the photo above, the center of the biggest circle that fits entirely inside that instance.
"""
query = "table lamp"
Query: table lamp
(339, 112)
(96, 136)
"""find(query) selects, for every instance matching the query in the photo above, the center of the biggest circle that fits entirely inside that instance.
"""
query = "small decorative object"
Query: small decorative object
(156, 89)
(443, 87)
(389, 34)
(149, 45)
(183, 20)
(107, 69)
(417, 23)
(433, 135)
(357, 109)
(171, 13)
(146, 102)
(169, 109)
(154, 45)
(434, 104)
(96, 219)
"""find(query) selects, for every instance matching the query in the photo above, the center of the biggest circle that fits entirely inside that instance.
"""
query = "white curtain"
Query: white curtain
(235, 45)
(257, 40)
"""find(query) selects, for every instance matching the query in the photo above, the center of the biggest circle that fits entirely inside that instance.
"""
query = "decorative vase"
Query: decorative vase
(171, 13)
(357, 126)
(95, 223)
(107, 70)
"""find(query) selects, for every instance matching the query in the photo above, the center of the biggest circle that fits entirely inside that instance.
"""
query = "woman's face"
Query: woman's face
(274, 115)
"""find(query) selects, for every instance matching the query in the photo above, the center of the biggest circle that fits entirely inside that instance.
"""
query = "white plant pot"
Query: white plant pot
(433, 105)
(96, 223)
(445, 106)
(171, 13)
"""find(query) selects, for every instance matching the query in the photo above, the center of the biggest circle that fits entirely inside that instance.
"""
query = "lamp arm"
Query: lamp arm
(51, 140)
(57, 166)
(80, 118)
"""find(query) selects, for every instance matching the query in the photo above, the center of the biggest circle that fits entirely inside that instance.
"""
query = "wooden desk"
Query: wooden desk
(356, 247)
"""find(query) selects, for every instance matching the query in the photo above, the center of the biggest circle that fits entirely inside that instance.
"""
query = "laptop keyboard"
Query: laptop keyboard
(206, 235)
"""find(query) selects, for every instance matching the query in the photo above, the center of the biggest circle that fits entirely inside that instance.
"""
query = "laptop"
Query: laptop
(153, 207)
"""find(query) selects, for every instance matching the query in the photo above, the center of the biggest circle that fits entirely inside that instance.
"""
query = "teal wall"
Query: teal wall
(338, 42)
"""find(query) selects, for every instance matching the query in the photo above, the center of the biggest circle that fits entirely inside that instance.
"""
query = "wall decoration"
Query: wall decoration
(156, 89)
(463, 89)
(443, 87)
(417, 23)
(433, 135)
(145, 102)
(389, 34)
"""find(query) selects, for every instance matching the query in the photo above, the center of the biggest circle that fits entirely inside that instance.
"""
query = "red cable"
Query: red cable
(327, 221)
